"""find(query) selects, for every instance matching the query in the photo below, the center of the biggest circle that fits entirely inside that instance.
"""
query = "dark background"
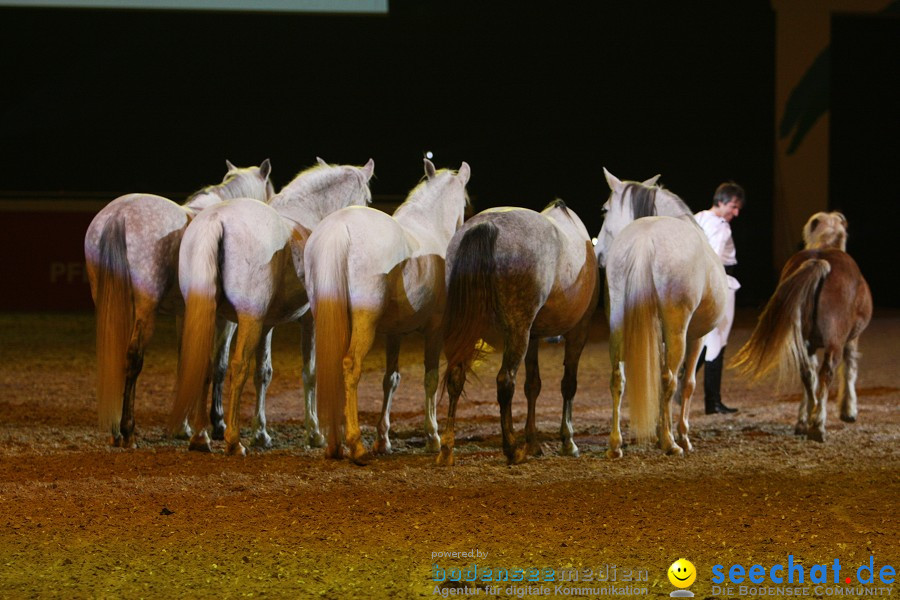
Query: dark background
(536, 98)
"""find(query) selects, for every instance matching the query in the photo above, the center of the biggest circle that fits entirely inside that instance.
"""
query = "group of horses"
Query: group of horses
(236, 260)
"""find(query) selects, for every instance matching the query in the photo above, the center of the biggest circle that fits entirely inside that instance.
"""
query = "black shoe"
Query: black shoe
(720, 409)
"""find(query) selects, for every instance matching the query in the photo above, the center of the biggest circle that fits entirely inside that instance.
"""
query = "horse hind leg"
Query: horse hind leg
(314, 437)
(575, 341)
(686, 388)
(261, 379)
(513, 353)
(674, 353)
(434, 342)
(616, 390)
(532, 391)
(361, 341)
(808, 377)
(816, 431)
(456, 380)
(221, 346)
(249, 335)
(389, 387)
(847, 382)
(145, 317)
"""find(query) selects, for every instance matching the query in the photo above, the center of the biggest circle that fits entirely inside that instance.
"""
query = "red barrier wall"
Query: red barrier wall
(42, 255)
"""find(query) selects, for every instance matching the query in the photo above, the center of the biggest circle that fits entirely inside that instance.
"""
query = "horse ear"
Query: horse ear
(368, 169)
(464, 173)
(842, 218)
(612, 180)
(652, 181)
(265, 169)
(429, 169)
(321, 162)
(230, 167)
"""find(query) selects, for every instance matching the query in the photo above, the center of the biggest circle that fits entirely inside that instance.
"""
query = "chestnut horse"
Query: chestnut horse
(822, 302)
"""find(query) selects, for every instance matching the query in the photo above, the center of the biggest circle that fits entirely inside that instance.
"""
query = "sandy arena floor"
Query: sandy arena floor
(81, 519)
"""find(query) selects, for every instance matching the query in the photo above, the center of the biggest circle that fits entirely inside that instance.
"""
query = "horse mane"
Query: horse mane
(414, 197)
(307, 185)
(557, 203)
(643, 199)
(825, 230)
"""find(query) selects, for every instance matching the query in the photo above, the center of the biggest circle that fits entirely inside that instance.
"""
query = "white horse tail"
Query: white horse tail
(777, 340)
(197, 338)
(471, 298)
(328, 275)
(115, 320)
(641, 341)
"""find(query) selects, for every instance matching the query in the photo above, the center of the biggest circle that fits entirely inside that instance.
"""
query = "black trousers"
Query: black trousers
(712, 378)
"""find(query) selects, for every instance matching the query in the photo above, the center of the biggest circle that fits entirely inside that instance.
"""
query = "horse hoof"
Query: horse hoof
(611, 453)
(334, 452)
(445, 458)
(199, 442)
(570, 449)
(236, 449)
(315, 440)
(218, 432)
(518, 456)
(800, 429)
(674, 450)
(433, 443)
(262, 440)
(382, 447)
(129, 442)
(848, 418)
(185, 433)
(359, 456)
(816, 435)
(686, 445)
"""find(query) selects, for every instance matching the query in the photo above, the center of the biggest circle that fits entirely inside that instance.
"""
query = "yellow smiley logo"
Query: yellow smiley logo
(682, 573)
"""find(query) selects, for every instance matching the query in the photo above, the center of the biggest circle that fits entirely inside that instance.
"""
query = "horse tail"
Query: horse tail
(777, 340)
(198, 334)
(115, 321)
(331, 291)
(641, 341)
(471, 299)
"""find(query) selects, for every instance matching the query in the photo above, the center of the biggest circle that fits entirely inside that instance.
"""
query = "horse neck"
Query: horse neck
(308, 205)
(202, 200)
(436, 216)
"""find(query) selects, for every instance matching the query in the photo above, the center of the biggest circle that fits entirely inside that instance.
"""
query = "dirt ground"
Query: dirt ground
(81, 519)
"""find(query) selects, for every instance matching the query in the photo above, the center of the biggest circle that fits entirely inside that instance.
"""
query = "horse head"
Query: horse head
(628, 200)
(825, 230)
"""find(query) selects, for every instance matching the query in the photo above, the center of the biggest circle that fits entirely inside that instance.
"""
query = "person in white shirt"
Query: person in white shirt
(716, 223)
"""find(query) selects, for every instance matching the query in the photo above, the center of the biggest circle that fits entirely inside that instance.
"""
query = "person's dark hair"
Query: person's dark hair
(726, 191)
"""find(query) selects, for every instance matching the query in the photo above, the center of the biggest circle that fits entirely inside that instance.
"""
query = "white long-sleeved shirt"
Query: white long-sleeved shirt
(718, 232)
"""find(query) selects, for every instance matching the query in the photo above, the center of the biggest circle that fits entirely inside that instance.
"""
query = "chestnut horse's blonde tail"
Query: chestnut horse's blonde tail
(777, 341)
(331, 301)
(197, 338)
(471, 299)
(641, 341)
(114, 304)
